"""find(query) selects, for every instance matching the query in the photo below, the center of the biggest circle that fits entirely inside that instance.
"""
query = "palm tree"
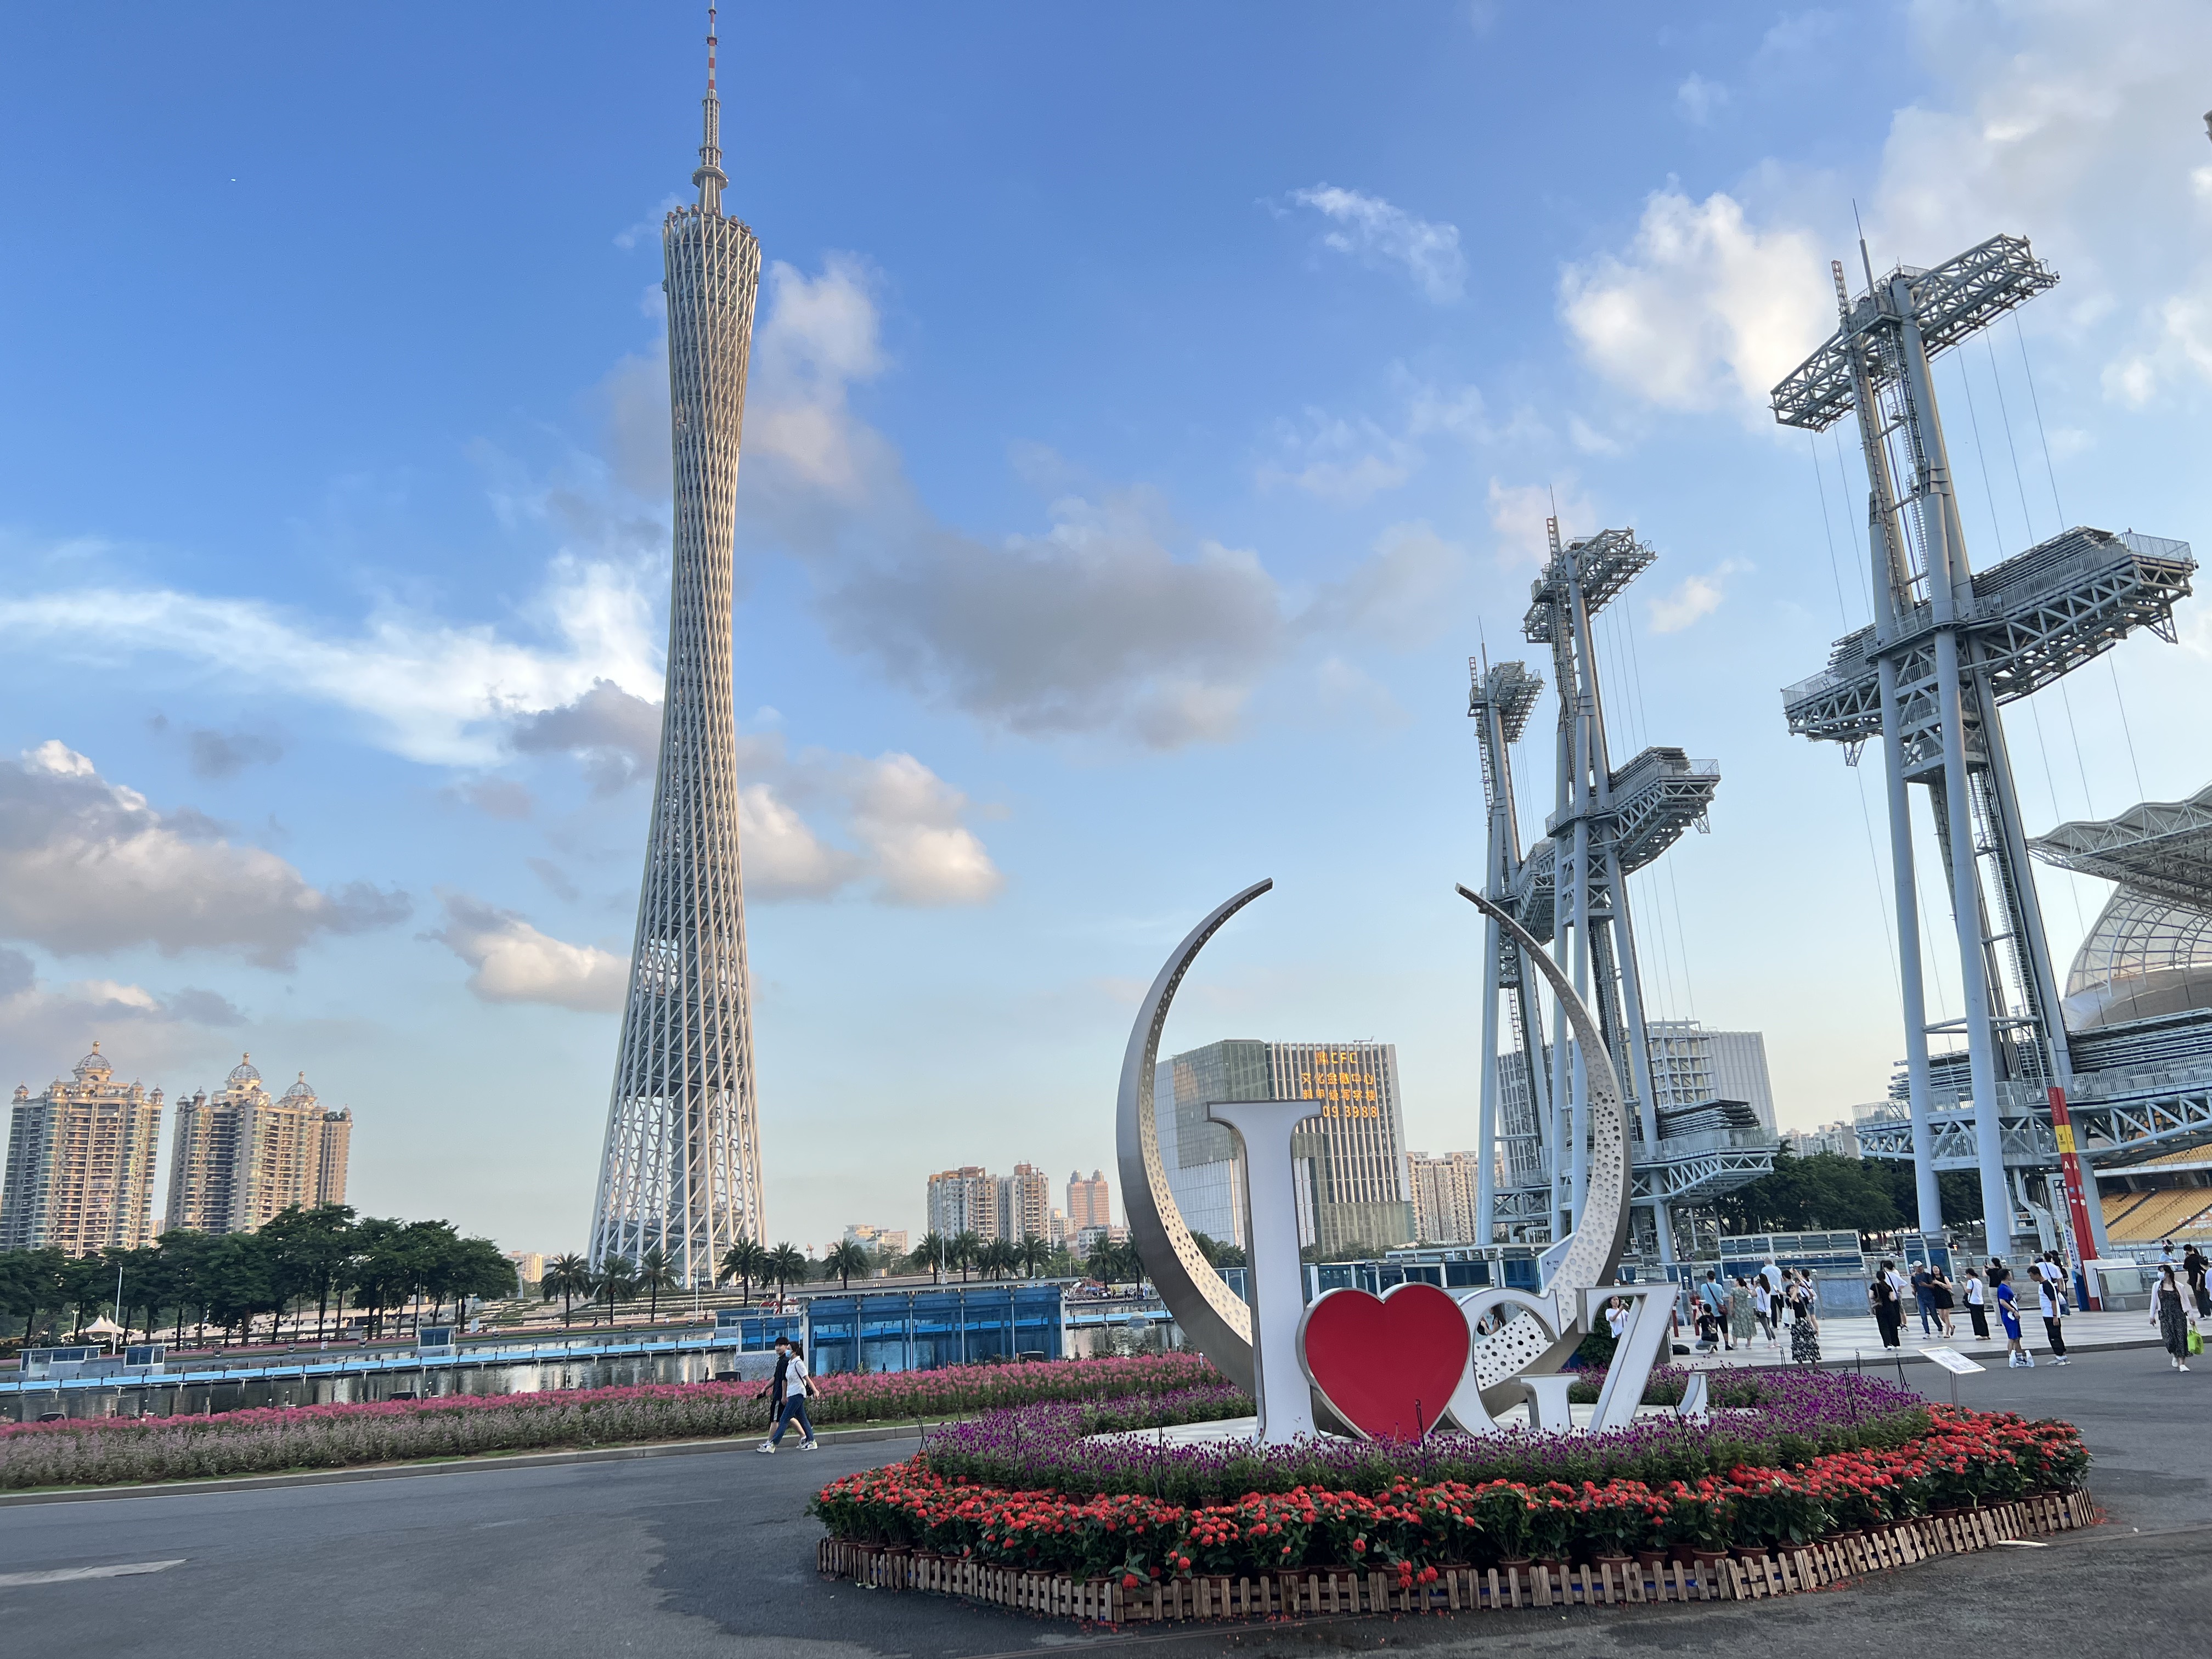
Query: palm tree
(930, 1254)
(961, 1251)
(999, 1257)
(616, 1282)
(744, 1261)
(784, 1264)
(567, 1277)
(655, 1273)
(1033, 1252)
(844, 1260)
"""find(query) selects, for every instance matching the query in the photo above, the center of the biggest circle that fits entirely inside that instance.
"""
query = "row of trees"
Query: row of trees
(1830, 1191)
(323, 1257)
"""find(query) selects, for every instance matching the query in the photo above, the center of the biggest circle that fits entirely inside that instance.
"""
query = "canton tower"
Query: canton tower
(681, 1169)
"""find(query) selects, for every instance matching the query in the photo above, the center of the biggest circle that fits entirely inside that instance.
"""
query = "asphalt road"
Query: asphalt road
(713, 1554)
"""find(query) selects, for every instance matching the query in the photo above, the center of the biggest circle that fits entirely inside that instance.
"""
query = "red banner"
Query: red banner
(2077, 1200)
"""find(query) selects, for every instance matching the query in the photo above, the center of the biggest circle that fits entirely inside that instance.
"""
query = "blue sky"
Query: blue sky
(1152, 410)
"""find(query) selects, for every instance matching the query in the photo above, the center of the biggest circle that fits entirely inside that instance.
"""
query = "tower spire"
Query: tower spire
(710, 177)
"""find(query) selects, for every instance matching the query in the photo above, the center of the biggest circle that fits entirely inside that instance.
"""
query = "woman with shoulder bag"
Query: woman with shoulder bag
(2169, 1312)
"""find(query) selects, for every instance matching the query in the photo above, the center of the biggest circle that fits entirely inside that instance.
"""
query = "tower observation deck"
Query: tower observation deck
(1947, 648)
(1571, 887)
(681, 1170)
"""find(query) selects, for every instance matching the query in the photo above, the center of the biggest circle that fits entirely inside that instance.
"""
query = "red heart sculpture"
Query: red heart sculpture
(1386, 1364)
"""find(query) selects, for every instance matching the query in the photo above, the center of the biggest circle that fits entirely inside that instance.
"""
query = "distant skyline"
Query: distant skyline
(1152, 410)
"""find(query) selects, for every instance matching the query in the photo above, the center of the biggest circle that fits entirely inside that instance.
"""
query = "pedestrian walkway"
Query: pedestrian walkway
(1841, 1336)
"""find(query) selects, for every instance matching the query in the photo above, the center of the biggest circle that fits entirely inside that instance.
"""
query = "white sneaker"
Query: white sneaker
(2180, 1365)
(808, 1445)
(766, 1448)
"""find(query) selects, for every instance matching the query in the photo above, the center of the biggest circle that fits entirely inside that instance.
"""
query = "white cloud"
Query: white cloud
(1398, 594)
(513, 962)
(783, 858)
(1698, 98)
(87, 867)
(2076, 123)
(1520, 514)
(1349, 459)
(49, 1013)
(429, 689)
(1340, 459)
(909, 820)
(1704, 310)
(1375, 233)
(1694, 597)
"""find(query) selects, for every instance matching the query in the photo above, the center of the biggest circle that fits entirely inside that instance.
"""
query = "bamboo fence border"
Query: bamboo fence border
(1737, 1576)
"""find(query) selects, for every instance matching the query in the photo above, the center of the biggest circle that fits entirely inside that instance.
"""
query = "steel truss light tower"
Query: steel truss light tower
(682, 1169)
(1573, 886)
(1947, 646)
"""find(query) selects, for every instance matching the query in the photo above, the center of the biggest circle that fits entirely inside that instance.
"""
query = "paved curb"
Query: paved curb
(454, 1466)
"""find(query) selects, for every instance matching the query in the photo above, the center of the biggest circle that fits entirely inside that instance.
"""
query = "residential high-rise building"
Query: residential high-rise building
(965, 1200)
(1444, 1191)
(1025, 1204)
(885, 1243)
(1349, 1157)
(239, 1155)
(1841, 1138)
(1089, 1203)
(529, 1265)
(681, 1165)
(80, 1170)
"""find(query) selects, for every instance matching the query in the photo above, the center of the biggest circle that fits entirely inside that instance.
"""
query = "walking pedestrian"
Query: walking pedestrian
(2195, 1272)
(2169, 1312)
(1804, 1323)
(1714, 1296)
(1889, 1311)
(790, 1386)
(1776, 1282)
(1941, 1300)
(1762, 1307)
(1740, 1322)
(2016, 1353)
(1978, 1303)
(2051, 1302)
(1924, 1297)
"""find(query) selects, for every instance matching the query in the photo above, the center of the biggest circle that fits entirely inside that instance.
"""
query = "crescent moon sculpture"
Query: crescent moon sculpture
(1600, 1235)
(1213, 1317)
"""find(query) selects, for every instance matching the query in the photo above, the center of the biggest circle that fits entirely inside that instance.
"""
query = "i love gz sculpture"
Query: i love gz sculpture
(1397, 1366)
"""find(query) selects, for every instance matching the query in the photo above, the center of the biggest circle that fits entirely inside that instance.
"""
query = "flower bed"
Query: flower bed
(1413, 1529)
(1771, 1418)
(106, 1451)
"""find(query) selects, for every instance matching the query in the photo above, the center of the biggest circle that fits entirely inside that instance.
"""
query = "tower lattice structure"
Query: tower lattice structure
(681, 1170)
(1947, 648)
(1571, 886)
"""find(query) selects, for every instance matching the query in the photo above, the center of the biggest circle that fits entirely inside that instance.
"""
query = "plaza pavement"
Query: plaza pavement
(1847, 1339)
(712, 1554)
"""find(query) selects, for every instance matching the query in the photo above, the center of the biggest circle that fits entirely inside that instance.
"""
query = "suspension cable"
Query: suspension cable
(2037, 402)
(1866, 814)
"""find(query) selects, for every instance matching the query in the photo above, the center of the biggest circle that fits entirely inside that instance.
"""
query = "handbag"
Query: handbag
(2196, 1342)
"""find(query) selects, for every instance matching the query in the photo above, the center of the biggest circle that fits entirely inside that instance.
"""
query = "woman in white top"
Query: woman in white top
(1978, 1303)
(791, 1405)
(2051, 1303)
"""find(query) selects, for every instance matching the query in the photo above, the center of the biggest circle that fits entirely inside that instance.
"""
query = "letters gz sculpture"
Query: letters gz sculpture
(1397, 1366)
